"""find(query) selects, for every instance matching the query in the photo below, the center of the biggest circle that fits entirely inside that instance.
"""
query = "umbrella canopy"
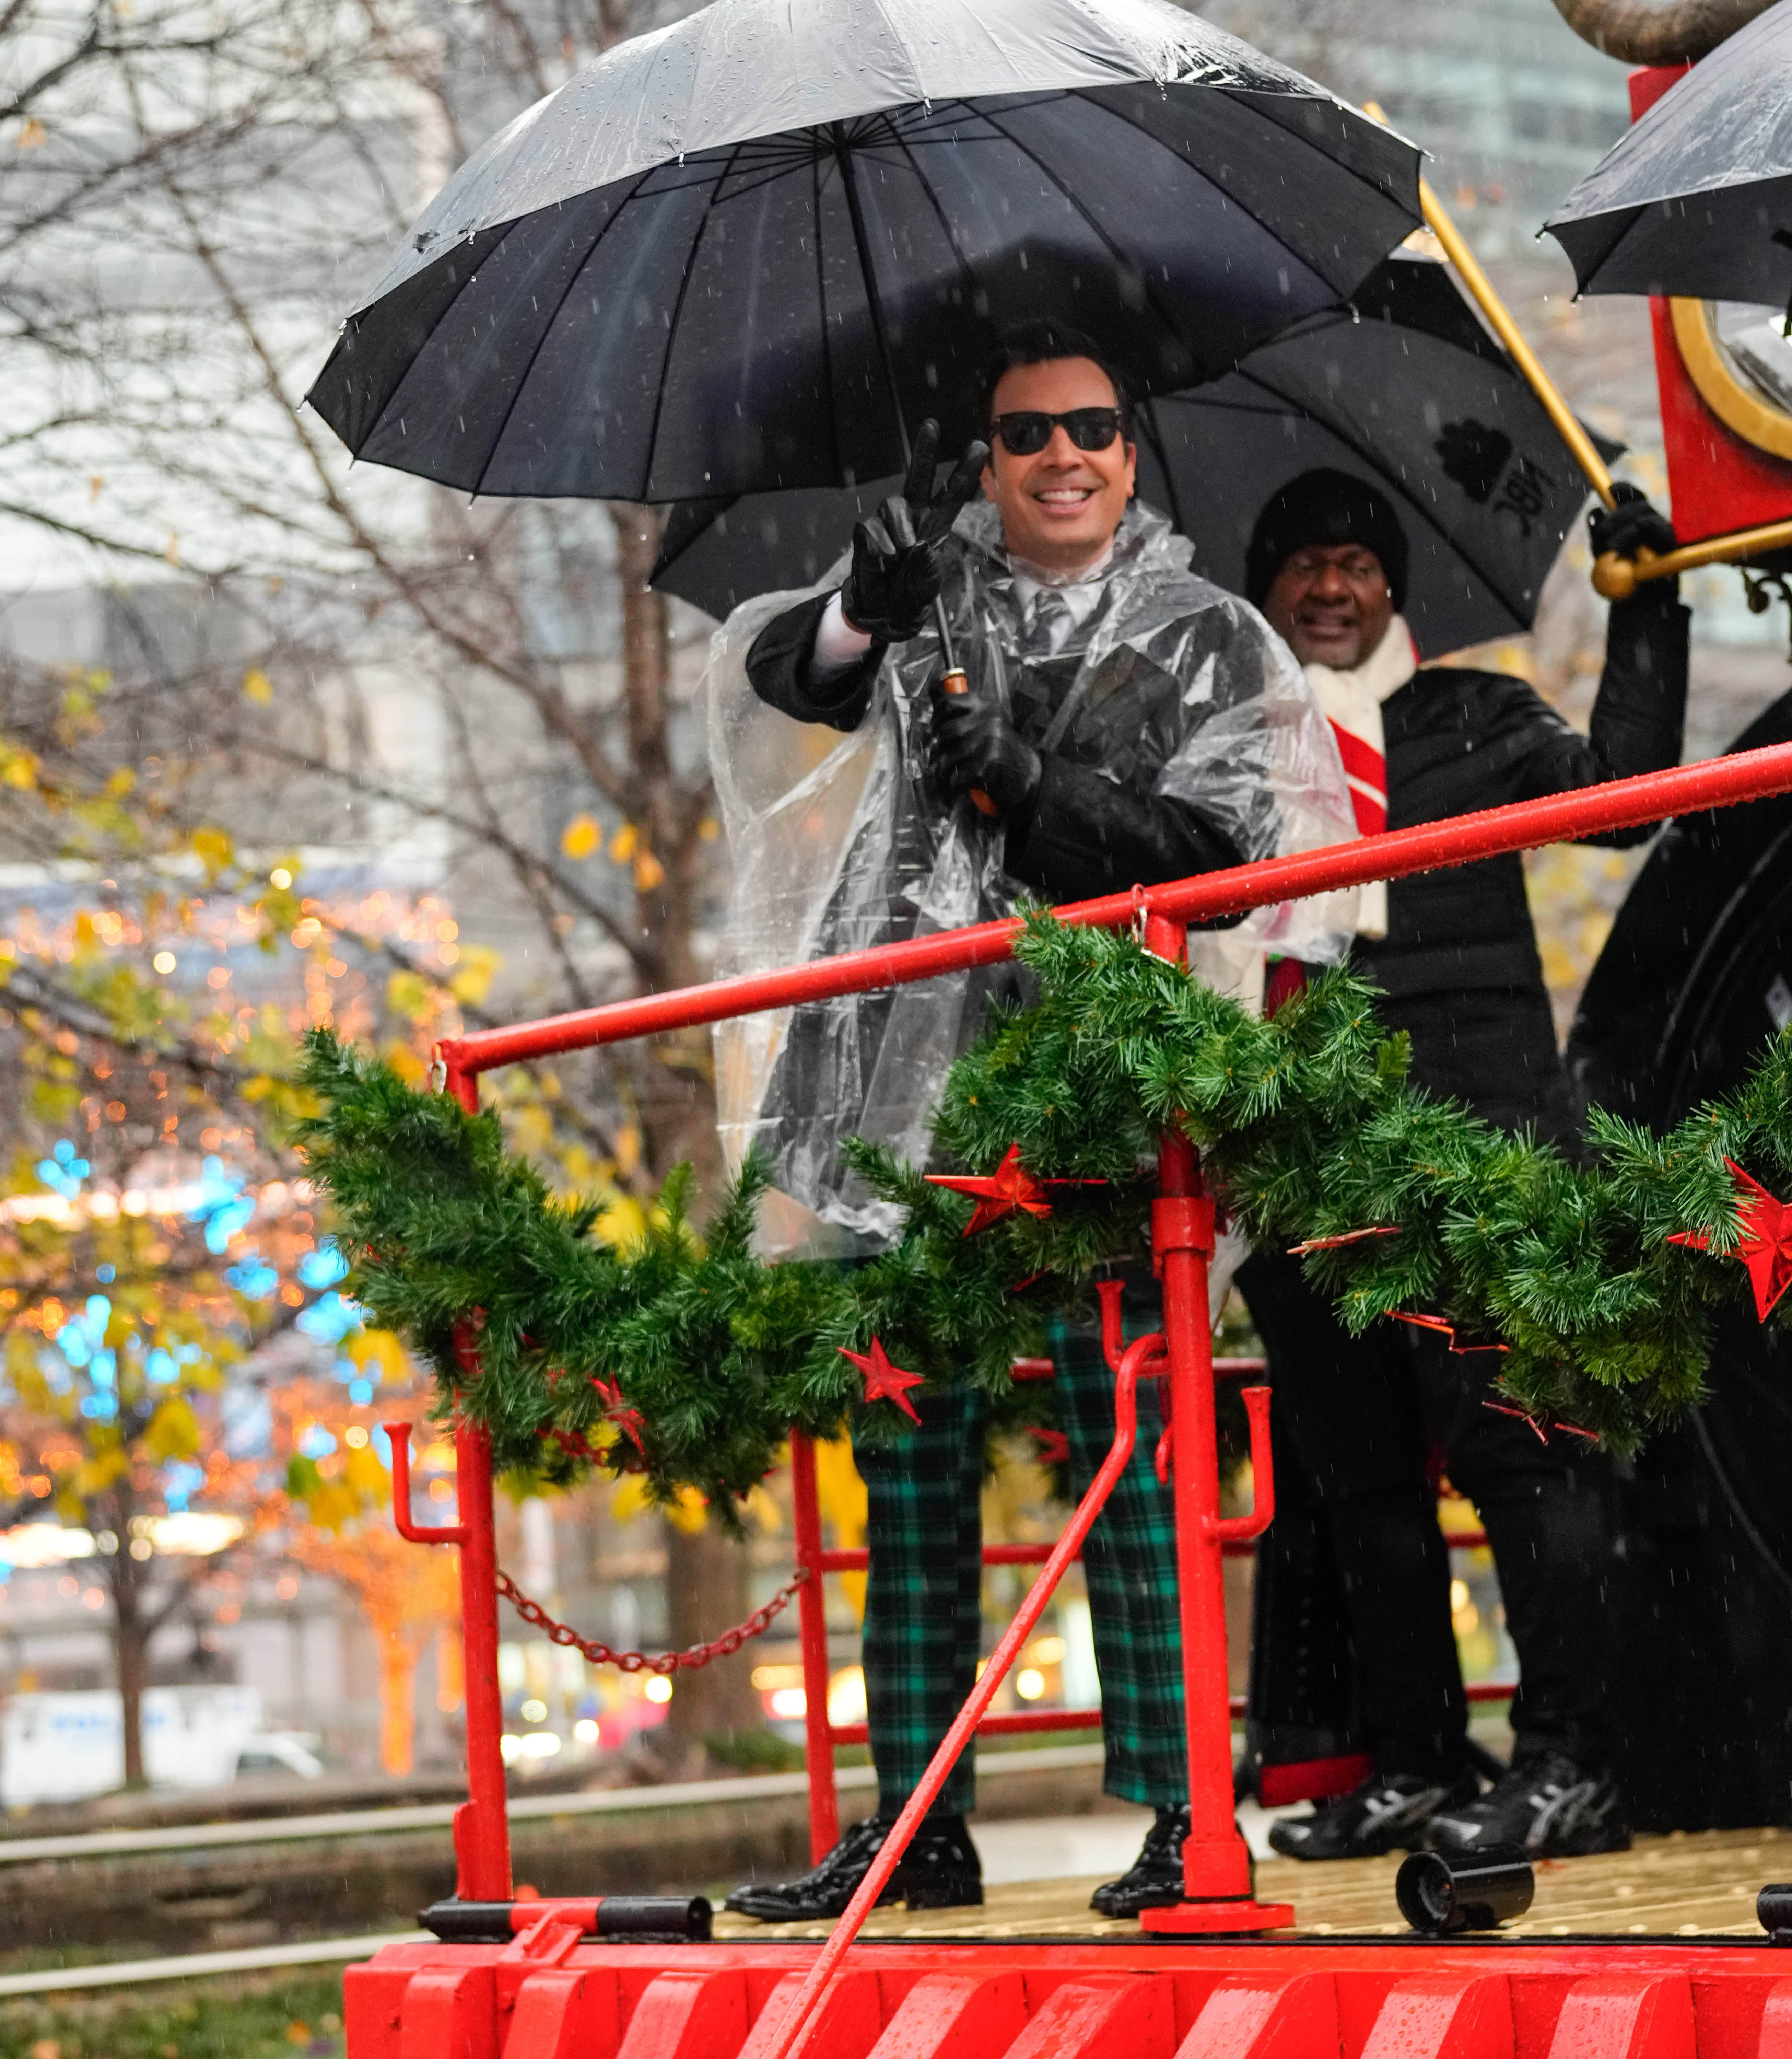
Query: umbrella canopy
(740, 253)
(1696, 199)
(1403, 388)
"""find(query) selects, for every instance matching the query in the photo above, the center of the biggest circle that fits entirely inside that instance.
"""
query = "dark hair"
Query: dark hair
(1329, 508)
(1038, 343)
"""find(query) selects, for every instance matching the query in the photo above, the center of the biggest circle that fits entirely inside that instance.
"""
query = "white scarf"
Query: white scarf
(1352, 702)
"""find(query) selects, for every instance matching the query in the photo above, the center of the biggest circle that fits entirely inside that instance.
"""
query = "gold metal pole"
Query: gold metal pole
(1508, 331)
(1618, 577)
(1615, 578)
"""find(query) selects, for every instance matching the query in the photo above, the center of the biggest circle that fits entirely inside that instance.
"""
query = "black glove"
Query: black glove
(979, 746)
(895, 572)
(1636, 524)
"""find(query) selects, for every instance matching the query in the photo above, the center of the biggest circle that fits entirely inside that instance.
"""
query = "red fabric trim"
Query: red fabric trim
(1367, 771)
(1312, 1779)
(1287, 976)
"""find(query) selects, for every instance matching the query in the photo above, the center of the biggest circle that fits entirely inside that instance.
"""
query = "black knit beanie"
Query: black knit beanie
(1324, 507)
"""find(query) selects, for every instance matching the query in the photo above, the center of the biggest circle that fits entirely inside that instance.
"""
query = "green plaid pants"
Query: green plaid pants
(922, 1615)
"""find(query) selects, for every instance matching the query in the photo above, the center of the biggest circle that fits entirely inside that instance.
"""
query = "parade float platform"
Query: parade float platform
(1702, 1884)
(1655, 1954)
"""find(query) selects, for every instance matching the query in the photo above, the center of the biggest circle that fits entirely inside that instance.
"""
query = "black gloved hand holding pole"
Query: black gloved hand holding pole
(979, 751)
(1634, 523)
(895, 575)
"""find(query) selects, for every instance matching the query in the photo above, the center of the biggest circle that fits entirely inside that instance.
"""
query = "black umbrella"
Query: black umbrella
(735, 255)
(1404, 388)
(1696, 200)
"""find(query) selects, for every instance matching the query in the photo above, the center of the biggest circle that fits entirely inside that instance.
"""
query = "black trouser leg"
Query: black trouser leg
(1351, 1407)
(1547, 1513)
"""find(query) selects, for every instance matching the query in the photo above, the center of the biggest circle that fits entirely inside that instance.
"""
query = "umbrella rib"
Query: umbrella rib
(817, 160)
(907, 148)
(678, 311)
(1100, 234)
(547, 330)
(1232, 199)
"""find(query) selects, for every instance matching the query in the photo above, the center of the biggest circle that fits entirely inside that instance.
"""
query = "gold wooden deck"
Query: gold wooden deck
(1696, 1884)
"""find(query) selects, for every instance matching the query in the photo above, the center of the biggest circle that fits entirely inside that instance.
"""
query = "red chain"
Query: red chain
(694, 1655)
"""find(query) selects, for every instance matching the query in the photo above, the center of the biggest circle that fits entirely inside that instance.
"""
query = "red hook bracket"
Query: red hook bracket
(449, 1533)
(1229, 1528)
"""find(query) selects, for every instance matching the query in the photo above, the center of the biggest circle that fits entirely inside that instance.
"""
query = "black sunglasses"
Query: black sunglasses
(1027, 433)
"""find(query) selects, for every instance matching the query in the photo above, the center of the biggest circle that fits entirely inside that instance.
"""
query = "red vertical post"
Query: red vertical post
(1216, 1861)
(811, 1604)
(482, 1823)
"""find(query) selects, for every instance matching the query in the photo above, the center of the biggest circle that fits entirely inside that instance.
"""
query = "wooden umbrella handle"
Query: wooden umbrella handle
(953, 681)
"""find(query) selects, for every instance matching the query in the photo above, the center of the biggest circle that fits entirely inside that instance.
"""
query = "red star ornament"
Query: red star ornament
(883, 1381)
(1011, 1186)
(627, 1420)
(1446, 1330)
(1338, 1243)
(1766, 1246)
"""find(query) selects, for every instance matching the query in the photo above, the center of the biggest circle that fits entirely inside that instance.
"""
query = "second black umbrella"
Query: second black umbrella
(1404, 388)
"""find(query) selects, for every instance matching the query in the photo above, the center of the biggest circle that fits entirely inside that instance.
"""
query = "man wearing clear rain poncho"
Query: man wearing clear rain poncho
(1122, 721)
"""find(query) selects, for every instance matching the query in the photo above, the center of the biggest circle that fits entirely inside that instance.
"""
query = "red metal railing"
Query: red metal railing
(1216, 1870)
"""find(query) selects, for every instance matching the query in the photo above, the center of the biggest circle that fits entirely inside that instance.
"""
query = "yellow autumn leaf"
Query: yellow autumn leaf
(215, 849)
(409, 1067)
(257, 687)
(757, 1503)
(95, 1474)
(379, 1355)
(690, 1512)
(122, 782)
(19, 768)
(630, 1499)
(649, 873)
(473, 976)
(624, 1225)
(708, 829)
(173, 1430)
(365, 1477)
(332, 1504)
(628, 1149)
(581, 837)
(623, 844)
(531, 1129)
(409, 994)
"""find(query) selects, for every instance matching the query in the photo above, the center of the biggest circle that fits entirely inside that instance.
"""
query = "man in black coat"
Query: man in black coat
(1363, 1423)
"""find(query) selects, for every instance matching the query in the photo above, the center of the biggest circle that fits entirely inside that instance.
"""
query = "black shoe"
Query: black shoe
(1154, 1879)
(1389, 1810)
(1548, 1807)
(940, 1869)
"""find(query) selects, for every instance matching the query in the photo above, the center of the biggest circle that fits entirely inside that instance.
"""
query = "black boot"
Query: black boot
(940, 1869)
(1154, 1879)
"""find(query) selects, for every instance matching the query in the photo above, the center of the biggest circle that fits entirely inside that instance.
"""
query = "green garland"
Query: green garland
(689, 1359)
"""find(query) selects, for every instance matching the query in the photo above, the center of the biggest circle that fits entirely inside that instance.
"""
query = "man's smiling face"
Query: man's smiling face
(1060, 506)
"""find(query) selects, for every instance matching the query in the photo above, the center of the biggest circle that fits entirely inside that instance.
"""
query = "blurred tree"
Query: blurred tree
(409, 1593)
(431, 699)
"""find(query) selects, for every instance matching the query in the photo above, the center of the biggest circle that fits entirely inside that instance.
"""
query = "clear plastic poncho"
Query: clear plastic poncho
(841, 841)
